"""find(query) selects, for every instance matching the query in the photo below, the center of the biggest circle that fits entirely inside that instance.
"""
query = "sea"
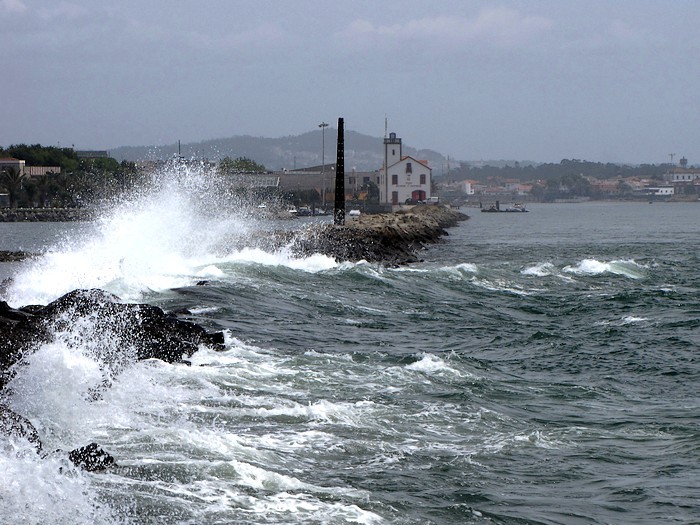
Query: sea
(532, 368)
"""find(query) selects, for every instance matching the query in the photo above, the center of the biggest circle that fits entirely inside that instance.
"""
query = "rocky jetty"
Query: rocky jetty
(45, 214)
(14, 256)
(141, 331)
(390, 238)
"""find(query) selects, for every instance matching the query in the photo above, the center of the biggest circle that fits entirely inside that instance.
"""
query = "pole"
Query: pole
(339, 214)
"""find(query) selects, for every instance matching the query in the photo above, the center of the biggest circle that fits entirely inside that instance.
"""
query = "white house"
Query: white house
(402, 178)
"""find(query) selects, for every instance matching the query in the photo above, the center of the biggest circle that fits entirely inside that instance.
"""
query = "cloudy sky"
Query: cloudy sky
(527, 80)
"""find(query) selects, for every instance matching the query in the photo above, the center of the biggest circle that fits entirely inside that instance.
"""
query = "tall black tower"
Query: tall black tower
(339, 213)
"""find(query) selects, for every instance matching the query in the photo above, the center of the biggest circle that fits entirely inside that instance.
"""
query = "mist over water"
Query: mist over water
(535, 368)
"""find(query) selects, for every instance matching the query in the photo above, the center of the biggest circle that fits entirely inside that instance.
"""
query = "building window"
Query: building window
(395, 180)
(351, 180)
(409, 168)
(422, 178)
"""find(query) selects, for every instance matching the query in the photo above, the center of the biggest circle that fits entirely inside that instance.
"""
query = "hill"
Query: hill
(362, 152)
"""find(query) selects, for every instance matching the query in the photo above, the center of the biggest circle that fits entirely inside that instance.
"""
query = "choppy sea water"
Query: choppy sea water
(534, 368)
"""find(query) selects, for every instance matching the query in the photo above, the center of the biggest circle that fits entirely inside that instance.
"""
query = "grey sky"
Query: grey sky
(596, 80)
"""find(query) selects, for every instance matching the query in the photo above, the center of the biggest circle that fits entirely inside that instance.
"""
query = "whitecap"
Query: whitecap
(431, 364)
(627, 268)
(539, 270)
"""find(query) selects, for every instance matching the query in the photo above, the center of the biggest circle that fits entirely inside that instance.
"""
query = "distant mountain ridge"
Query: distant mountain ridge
(362, 152)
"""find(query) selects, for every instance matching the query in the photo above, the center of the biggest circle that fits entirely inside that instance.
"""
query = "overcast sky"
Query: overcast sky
(538, 80)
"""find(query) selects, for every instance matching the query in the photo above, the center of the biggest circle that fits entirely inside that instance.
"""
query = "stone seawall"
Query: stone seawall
(44, 214)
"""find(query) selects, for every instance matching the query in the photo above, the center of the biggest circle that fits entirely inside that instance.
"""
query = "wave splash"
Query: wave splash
(180, 228)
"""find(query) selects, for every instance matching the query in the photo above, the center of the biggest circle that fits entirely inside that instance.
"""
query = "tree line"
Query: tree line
(564, 168)
(80, 182)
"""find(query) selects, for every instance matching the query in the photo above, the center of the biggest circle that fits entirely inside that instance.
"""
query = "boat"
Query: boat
(517, 208)
(496, 208)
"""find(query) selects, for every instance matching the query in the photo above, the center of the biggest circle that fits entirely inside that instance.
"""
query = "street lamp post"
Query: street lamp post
(323, 127)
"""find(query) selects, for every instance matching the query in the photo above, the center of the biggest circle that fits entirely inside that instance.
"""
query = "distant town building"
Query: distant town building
(402, 179)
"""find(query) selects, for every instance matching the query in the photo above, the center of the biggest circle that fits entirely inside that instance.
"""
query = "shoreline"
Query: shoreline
(45, 214)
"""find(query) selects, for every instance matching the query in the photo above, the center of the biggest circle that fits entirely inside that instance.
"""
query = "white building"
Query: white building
(660, 190)
(467, 186)
(402, 178)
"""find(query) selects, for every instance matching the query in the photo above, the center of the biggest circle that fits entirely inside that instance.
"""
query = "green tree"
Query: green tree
(38, 155)
(229, 166)
(12, 179)
(372, 193)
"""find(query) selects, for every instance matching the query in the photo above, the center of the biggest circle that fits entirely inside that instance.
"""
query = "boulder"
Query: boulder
(91, 458)
(144, 330)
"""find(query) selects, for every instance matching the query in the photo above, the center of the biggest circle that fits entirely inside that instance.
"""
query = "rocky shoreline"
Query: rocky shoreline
(45, 214)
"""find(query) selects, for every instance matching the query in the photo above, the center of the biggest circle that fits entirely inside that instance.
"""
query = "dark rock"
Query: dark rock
(45, 214)
(12, 424)
(91, 458)
(14, 256)
(144, 330)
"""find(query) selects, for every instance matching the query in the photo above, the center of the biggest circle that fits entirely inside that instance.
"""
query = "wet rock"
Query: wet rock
(45, 214)
(12, 424)
(92, 458)
(145, 331)
(14, 256)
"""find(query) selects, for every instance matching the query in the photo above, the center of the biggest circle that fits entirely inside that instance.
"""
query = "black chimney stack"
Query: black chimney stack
(339, 213)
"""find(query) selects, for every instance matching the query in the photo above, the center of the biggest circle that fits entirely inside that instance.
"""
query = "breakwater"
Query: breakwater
(45, 214)
(390, 238)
